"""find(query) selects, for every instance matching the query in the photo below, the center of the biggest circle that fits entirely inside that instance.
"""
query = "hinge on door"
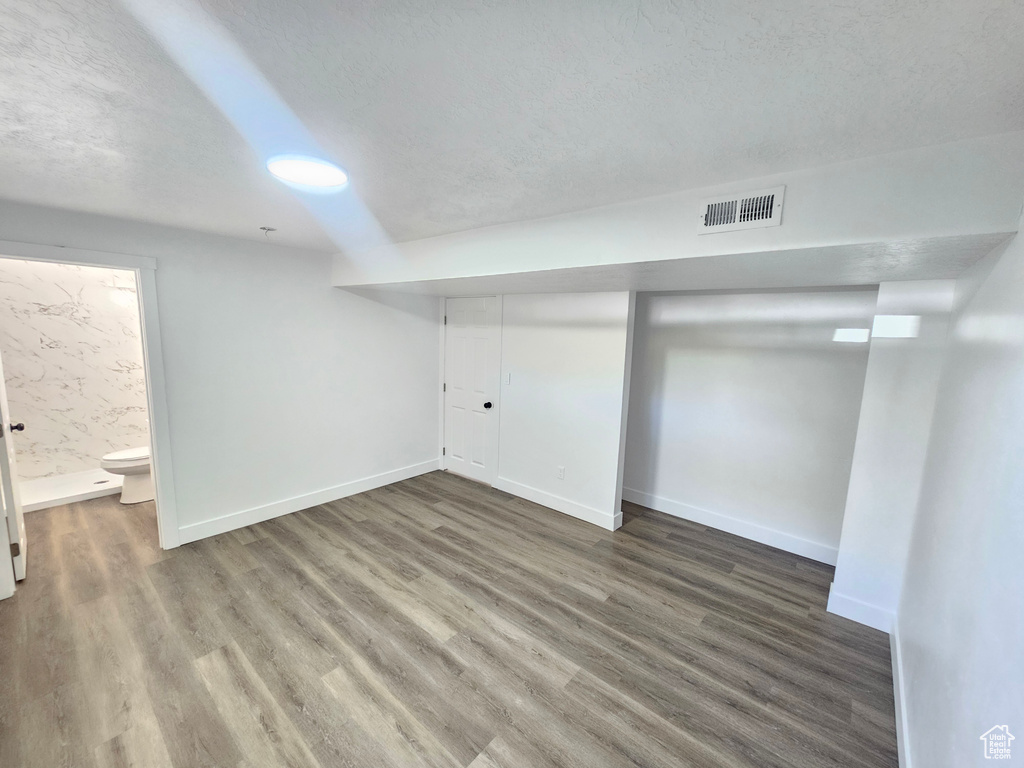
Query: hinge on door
(444, 387)
(442, 451)
(446, 319)
(15, 549)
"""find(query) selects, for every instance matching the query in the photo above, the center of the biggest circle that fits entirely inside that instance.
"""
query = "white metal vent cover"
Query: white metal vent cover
(748, 211)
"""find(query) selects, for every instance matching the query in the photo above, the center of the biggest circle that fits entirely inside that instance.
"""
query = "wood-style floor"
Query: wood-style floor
(430, 623)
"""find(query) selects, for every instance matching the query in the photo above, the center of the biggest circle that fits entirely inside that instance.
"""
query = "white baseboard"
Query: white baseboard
(902, 726)
(764, 535)
(46, 492)
(557, 503)
(859, 611)
(206, 528)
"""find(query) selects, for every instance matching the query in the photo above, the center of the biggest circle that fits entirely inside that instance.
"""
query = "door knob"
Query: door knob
(19, 427)
(487, 405)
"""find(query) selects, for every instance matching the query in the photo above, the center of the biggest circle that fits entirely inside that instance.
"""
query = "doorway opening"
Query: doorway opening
(76, 400)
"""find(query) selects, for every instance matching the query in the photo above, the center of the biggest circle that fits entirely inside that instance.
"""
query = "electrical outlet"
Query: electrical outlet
(561, 473)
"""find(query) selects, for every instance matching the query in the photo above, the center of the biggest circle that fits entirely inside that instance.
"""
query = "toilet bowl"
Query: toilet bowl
(134, 465)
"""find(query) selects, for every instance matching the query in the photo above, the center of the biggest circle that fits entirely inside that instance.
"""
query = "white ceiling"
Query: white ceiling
(933, 258)
(454, 115)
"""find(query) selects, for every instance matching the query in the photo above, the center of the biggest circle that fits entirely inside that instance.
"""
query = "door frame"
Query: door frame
(144, 268)
(443, 306)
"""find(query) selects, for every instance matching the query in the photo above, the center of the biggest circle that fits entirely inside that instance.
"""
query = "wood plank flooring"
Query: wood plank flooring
(431, 623)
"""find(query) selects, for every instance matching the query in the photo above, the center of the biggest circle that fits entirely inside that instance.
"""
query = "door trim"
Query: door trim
(443, 458)
(144, 268)
(442, 340)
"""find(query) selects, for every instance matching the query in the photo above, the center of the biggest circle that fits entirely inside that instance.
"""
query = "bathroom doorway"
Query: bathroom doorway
(77, 396)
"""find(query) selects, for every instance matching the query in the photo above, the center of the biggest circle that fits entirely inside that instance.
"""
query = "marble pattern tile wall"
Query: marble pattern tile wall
(72, 357)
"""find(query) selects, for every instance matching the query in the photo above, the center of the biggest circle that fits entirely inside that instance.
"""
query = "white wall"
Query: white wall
(743, 412)
(72, 356)
(968, 187)
(888, 460)
(281, 389)
(960, 628)
(567, 356)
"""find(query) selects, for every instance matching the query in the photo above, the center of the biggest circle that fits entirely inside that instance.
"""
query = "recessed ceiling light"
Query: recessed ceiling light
(307, 172)
(851, 335)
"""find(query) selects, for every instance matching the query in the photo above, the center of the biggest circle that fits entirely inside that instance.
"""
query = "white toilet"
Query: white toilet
(134, 465)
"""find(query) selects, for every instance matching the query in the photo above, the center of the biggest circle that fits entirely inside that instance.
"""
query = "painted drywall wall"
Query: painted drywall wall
(888, 460)
(281, 390)
(967, 187)
(960, 626)
(743, 412)
(564, 375)
(72, 355)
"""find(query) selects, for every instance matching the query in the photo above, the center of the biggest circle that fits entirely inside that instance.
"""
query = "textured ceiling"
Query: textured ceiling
(454, 115)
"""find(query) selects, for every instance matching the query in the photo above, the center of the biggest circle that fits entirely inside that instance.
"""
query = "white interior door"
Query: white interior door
(9, 485)
(6, 566)
(472, 373)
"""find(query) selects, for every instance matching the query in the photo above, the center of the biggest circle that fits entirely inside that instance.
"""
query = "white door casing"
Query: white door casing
(9, 486)
(472, 365)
